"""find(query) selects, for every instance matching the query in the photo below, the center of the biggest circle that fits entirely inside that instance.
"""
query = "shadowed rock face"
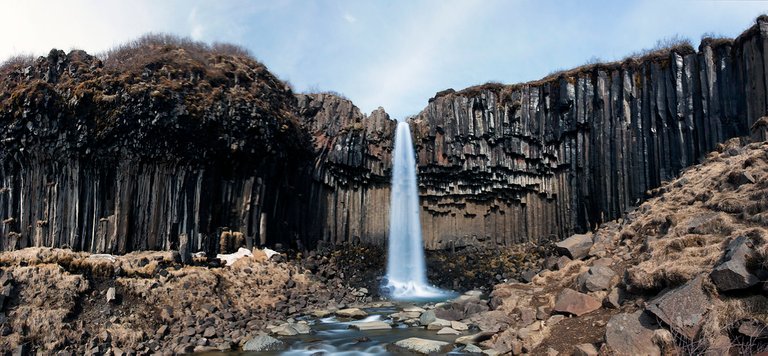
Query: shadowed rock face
(105, 160)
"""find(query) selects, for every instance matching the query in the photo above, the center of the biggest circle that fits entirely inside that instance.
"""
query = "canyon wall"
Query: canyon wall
(502, 164)
(178, 147)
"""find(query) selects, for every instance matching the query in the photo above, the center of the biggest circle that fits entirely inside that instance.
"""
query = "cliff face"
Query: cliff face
(177, 147)
(349, 194)
(506, 164)
(165, 154)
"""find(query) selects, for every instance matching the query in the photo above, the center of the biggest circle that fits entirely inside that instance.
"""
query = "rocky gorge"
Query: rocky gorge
(571, 203)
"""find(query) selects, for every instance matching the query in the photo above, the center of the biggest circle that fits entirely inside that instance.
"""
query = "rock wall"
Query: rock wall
(170, 154)
(349, 195)
(507, 164)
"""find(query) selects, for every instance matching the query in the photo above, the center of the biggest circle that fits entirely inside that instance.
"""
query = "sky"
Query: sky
(395, 54)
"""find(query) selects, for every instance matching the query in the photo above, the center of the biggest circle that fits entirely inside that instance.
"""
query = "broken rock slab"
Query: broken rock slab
(631, 334)
(597, 278)
(575, 247)
(732, 273)
(683, 308)
(371, 325)
(572, 302)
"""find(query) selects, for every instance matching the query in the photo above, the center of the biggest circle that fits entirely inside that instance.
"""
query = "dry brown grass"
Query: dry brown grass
(686, 230)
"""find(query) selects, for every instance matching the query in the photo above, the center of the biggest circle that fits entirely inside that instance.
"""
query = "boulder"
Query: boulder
(585, 350)
(631, 334)
(284, 330)
(439, 324)
(563, 262)
(732, 273)
(264, 343)
(575, 247)
(474, 338)
(683, 308)
(572, 302)
(354, 313)
(320, 313)
(472, 349)
(754, 329)
(597, 278)
(427, 317)
(371, 325)
(420, 346)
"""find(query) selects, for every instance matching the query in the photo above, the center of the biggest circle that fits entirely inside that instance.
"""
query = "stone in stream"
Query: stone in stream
(457, 325)
(263, 343)
(320, 313)
(371, 325)
(448, 331)
(427, 317)
(420, 346)
(472, 349)
(355, 313)
(438, 324)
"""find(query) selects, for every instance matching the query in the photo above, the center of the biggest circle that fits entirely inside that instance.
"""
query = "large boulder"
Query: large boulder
(572, 302)
(420, 346)
(575, 247)
(264, 343)
(683, 308)
(732, 273)
(491, 321)
(597, 278)
(631, 334)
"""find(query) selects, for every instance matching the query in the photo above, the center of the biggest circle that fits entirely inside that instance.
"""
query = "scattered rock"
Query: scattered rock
(111, 295)
(494, 321)
(543, 312)
(355, 313)
(585, 350)
(371, 325)
(575, 247)
(474, 338)
(552, 352)
(439, 324)
(613, 299)
(420, 346)
(740, 178)
(754, 329)
(563, 262)
(263, 343)
(472, 349)
(527, 275)
(320, 313)
(683, 308)
(597, 278)
(209, 332)
(572, 302)
(631, 334)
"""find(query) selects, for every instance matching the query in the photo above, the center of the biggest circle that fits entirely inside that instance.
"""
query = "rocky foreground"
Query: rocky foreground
(684, 273)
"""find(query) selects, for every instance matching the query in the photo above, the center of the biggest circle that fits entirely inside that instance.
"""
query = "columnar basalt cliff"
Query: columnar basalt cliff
(353, 158)
(171, 147)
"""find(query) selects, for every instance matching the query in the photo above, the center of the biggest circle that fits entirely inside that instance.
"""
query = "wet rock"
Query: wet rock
(597, 278)
(354, 313)
(472, 349)
(732, 273)
(371, 325)
(572, 302)
(264, 343)
(683, 308)
(321, 313)
(585, 350)
(448, 331)
(420, 346)
(631, 334)
(438, 324)
(575, 247)
(427, 317)
(284, 330)
(474, 338)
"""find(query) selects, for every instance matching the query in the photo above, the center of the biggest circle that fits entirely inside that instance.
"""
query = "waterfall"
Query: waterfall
(406, 269)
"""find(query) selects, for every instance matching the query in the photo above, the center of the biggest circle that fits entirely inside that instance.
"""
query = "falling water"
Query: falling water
(406, 271)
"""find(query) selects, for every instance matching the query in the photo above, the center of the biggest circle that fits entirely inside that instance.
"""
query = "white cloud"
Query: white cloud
(349, 18)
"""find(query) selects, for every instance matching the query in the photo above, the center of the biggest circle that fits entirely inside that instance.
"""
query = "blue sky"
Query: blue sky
(394, 54)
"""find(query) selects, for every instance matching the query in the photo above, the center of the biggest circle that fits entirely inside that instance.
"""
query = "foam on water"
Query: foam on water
(406, 270)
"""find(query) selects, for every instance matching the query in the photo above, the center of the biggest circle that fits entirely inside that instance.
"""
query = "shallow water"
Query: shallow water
(333, 336)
